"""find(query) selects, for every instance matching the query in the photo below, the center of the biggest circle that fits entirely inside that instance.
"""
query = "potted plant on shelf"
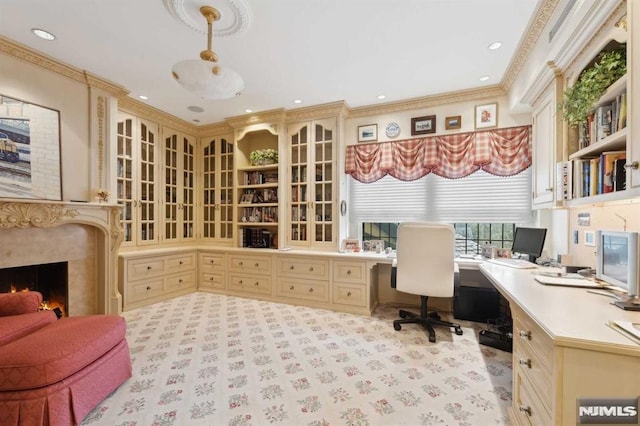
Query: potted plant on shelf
(580, 98)
(260, 157)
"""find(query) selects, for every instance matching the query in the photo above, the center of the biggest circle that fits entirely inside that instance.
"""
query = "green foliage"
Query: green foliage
(264, 156)
(579, 99)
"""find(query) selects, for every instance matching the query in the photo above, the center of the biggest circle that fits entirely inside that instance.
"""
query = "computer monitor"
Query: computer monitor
(617, 260)
(529, 241)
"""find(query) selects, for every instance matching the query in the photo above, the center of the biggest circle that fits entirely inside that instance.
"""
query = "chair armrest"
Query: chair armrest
(19, 303)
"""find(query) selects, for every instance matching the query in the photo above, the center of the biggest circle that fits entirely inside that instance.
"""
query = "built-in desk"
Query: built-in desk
(562, 348)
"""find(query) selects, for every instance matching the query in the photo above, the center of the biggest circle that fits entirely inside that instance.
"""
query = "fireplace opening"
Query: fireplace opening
(50, 279)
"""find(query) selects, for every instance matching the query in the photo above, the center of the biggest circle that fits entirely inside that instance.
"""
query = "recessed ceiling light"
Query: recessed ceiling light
(381, 97)
(45, 35)
(495, 45)
(194, 108)
(484, 78)
(297, 101)
(143, 97)
(248, 110)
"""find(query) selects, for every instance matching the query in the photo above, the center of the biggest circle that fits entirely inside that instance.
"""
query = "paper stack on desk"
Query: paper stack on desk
(566, 281)
(628, 328)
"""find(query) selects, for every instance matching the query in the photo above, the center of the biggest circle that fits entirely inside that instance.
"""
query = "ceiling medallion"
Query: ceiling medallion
(236, 13)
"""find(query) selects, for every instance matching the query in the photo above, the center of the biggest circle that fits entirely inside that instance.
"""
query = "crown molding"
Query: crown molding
(331, 109)
(148, 112)
(427, 101)
(26, 54)
(271, 116)
(533, 31)
(209, 130)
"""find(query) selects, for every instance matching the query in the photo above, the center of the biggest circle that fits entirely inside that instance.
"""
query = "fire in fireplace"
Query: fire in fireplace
(50, 279)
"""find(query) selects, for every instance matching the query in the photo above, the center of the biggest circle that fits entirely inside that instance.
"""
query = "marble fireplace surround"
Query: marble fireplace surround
(86, 235)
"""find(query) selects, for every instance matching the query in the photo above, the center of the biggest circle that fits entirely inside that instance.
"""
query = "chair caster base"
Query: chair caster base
(397, 327)
(458, 331)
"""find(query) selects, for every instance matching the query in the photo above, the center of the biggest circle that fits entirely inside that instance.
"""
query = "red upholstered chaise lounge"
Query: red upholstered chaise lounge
(54, 372)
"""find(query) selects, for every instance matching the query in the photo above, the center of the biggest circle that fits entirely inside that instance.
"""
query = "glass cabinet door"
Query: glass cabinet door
(299, 188)
(147, 185)
(124, 177)
(187, 208)
(323, 183)
(217, 203)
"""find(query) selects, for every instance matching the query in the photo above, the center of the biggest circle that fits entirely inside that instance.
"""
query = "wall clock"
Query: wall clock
(392, 130)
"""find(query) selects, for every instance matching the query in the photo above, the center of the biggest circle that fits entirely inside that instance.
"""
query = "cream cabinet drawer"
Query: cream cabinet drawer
(250, 283)
(304, 289)
(350, 272)
(531, 369)
(254, 264)
(527, 406)
(352, 295)
(140, 269)
(212, 263)
(313, 269)
(179, 263)
(180, 281)
(530, 336)
(212, 281)
(144, 290)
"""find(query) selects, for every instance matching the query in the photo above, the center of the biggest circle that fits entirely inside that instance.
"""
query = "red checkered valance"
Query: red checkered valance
(501, 152)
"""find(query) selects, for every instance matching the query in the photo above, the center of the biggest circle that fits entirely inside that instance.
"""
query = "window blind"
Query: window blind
(479, 198)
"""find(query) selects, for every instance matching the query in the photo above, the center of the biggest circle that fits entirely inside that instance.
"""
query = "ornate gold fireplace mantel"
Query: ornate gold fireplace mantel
(23, 214)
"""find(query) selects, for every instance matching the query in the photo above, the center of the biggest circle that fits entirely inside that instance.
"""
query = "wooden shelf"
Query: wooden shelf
(614, 142)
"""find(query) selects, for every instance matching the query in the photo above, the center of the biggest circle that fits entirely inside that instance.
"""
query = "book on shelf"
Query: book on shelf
(564, 178)
(593, 176)
(607, 170)
(620, 175)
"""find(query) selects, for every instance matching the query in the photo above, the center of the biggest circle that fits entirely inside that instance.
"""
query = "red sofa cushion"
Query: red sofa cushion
(58, 350)
(16, 326)
(22, 302)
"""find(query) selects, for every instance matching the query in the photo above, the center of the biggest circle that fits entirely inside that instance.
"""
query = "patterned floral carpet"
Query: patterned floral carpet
(205, 359)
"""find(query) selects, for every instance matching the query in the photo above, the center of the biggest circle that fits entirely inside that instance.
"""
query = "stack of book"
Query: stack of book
(587, 177)
(605, 120)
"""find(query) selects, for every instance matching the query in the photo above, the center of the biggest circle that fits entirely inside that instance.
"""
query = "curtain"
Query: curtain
(500, 152)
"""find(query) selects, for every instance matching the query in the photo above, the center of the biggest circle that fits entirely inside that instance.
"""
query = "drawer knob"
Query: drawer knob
(257, 264)
(311, 290)
(526, 362)
(240, 282)
(311, 269)
(148, 287)
(211, 261)
(349, 272)
(348, 293)
(257, 284)
(149, 268)
(180, 280)
(180, 262)
(525, 410)
(211, 279)
(291, 267)
(240, 263)
(525, 334)
(291, 288)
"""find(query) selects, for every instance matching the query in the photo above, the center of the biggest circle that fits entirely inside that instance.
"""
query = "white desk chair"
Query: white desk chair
(425, 254)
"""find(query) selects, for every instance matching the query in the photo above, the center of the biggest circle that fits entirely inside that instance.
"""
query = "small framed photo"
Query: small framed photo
(423, 125)
(349, 245)
(503, 253)
(368, 133)
(589, 238)
(451, 123)
(246, 199)
(486, 115)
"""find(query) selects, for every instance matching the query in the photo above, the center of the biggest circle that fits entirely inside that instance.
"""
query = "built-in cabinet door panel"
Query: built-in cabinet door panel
(136, 179)
(543, 152)
(217, 188)
(311, 207)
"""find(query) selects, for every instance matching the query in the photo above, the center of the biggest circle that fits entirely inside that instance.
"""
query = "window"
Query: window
(470, 237)
(480, 198)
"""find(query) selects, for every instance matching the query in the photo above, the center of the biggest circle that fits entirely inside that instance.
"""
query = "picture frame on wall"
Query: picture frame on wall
(368, 133)
(486, 115)
(453, 122)
(423, 125)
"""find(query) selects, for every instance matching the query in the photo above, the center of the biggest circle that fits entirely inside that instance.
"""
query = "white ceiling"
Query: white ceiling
(315, 50)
